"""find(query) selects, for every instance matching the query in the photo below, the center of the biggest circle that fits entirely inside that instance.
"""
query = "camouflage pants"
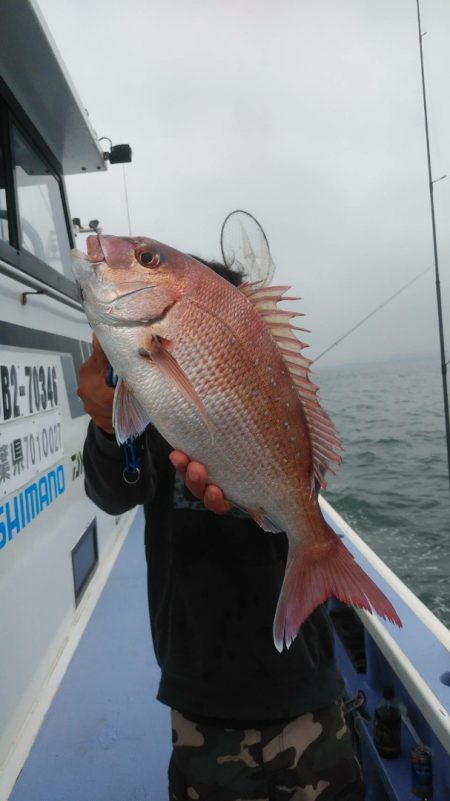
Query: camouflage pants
(308, 758)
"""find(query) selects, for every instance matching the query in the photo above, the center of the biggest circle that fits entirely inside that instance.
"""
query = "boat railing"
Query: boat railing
(415, 660)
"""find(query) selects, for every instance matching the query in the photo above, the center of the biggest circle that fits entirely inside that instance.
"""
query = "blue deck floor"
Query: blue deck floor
(105, 737)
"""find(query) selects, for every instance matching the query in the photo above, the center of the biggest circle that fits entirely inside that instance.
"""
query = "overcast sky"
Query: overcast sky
(308, 114)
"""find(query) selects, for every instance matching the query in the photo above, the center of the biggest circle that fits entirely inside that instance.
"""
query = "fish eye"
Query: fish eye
(148, 259)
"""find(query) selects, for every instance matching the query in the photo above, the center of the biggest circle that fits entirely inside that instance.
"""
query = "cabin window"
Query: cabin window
(41, 221)
(35, 230)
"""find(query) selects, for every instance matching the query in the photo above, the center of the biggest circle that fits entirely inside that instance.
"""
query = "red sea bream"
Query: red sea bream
(220, 372)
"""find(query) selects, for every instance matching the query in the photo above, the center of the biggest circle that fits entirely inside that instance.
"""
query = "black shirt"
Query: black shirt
(213, 586)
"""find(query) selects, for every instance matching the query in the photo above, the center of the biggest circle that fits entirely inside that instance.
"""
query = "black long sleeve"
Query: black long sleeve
(104, 462)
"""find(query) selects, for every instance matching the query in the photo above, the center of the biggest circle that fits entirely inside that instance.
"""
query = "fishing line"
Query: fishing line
(126, 199)
(374, 311)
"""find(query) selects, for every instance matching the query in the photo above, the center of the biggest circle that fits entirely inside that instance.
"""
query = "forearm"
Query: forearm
(104, 483)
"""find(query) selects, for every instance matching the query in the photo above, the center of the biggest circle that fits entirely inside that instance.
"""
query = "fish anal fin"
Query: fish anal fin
(262, 520)
(158, 351)
(315, 574)
(323, 438)
(129, 418)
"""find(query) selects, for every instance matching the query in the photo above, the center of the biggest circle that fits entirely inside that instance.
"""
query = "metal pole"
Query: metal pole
(436, 260)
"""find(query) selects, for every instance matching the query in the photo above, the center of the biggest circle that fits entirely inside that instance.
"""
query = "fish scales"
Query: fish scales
(220, 374)
(246, 410)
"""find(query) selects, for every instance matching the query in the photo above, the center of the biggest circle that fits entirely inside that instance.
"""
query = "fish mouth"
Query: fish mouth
(83, 266)
(83, 263)
(118, 253)
(94, 250)
(106, 309)
(94, 253)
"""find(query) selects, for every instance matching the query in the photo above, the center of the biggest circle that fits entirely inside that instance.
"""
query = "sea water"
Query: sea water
(393, 484)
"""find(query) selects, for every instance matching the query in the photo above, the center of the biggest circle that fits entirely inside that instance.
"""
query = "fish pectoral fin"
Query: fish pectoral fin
(129, 418)
(161, 357)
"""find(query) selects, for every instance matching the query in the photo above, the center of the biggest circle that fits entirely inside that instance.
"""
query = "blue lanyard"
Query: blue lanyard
(132, 470)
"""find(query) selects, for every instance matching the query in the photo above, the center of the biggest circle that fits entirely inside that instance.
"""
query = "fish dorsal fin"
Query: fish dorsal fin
(324, 440)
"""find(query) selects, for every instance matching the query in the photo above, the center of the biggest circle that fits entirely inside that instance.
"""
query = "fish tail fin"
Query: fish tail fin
(314, 574)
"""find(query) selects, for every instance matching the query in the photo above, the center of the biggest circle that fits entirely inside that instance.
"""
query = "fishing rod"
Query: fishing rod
(435, 248)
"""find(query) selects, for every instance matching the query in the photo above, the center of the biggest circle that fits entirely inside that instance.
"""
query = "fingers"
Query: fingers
(101, 415)
(97, 403)
(214, 500)
(180, 462)
(195, 477)
(96, 395)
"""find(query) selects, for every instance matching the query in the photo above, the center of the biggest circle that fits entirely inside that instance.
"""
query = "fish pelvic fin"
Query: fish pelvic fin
(129, 418)
(316, 573)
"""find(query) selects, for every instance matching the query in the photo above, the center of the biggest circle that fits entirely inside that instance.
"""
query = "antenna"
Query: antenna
(435, 249)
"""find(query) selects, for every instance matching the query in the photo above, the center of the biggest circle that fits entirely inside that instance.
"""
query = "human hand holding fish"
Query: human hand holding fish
(98, 399)
(220, 372)
(96, 395)
(195, 476)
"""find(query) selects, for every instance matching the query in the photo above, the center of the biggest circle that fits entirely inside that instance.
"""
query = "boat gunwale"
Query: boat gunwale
(427, 690)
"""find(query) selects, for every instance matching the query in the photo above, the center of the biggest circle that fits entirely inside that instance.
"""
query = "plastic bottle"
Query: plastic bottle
(387, 725)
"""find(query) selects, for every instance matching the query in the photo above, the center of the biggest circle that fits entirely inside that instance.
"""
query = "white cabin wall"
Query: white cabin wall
(40, 623)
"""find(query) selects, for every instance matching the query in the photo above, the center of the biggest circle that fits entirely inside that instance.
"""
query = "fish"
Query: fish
(221, 372)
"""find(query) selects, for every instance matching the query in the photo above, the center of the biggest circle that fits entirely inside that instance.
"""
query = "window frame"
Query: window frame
(12, 114)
